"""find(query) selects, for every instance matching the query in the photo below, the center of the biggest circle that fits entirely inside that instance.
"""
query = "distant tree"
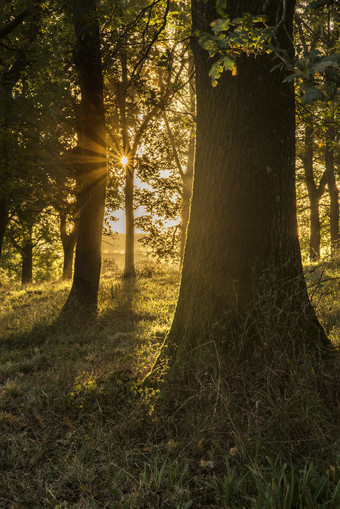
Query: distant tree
(144, 76)
(166, 166)
(68, 236)
(315, 193)
(84, 291)
(316, 71)
(15, 38)
(333, 191)
(186, 172)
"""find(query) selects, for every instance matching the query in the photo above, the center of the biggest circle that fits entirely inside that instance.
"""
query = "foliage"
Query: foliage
(231, 38)
(144, 43)
(316, 70)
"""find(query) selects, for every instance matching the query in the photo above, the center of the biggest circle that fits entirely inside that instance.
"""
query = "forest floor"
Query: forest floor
(78, 430)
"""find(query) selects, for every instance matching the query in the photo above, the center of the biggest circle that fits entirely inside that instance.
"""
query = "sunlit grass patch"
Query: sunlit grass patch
(23, 308)
(78, 429)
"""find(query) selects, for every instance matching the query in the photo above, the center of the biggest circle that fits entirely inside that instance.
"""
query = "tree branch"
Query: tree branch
(12, 25)
(173, 145)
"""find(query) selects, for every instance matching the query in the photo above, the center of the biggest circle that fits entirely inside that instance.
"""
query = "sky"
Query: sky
(119, 226)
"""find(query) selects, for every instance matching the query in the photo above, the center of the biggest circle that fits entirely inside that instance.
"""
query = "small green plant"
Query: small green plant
(169, 479)
(84, 386)
(279, 484)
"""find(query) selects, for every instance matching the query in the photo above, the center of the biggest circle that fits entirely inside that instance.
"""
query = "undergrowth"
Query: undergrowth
(78, 429)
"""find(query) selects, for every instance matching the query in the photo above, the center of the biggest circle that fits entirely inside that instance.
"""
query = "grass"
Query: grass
(78, 431)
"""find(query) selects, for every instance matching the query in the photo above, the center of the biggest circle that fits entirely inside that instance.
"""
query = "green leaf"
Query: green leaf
(290, 78)
(216, 71)
(311, 95)
(208, 43)
(325, 64)
(220, 25)
(228, 63)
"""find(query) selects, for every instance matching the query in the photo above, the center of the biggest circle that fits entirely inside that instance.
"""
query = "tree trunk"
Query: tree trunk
(129, 270)
(333, 194)
(242, 237)
(68, 242)
(314, 197)
(3, 222)
(27, 262)
(84, 290)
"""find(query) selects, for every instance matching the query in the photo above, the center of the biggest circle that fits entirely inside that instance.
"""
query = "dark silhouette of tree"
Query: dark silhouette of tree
(315, 193)
(16, 58)
(84, 290)
(333, 192)
(68, 240)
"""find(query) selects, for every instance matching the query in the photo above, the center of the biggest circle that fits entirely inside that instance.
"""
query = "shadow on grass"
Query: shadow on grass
(121, 311)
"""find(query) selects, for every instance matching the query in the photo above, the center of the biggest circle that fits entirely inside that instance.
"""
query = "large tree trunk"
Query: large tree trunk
(314, 194)
(84, 290)
(333, 194)
(242, 237)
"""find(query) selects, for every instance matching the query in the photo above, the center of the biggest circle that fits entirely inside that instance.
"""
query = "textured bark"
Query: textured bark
(242, 233)
(333, 194)
(314, 193)
(84, 290)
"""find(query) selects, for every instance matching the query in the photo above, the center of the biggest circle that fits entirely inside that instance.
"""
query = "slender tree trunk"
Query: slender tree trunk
(27, 262)
(68, 242)
(3, 222)
(314, 194)
(129, 270)
(84, 290)
(242, 237)
(5, 173)
(333, 194)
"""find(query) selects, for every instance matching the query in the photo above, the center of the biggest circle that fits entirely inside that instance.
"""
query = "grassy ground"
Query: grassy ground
(77, 431)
